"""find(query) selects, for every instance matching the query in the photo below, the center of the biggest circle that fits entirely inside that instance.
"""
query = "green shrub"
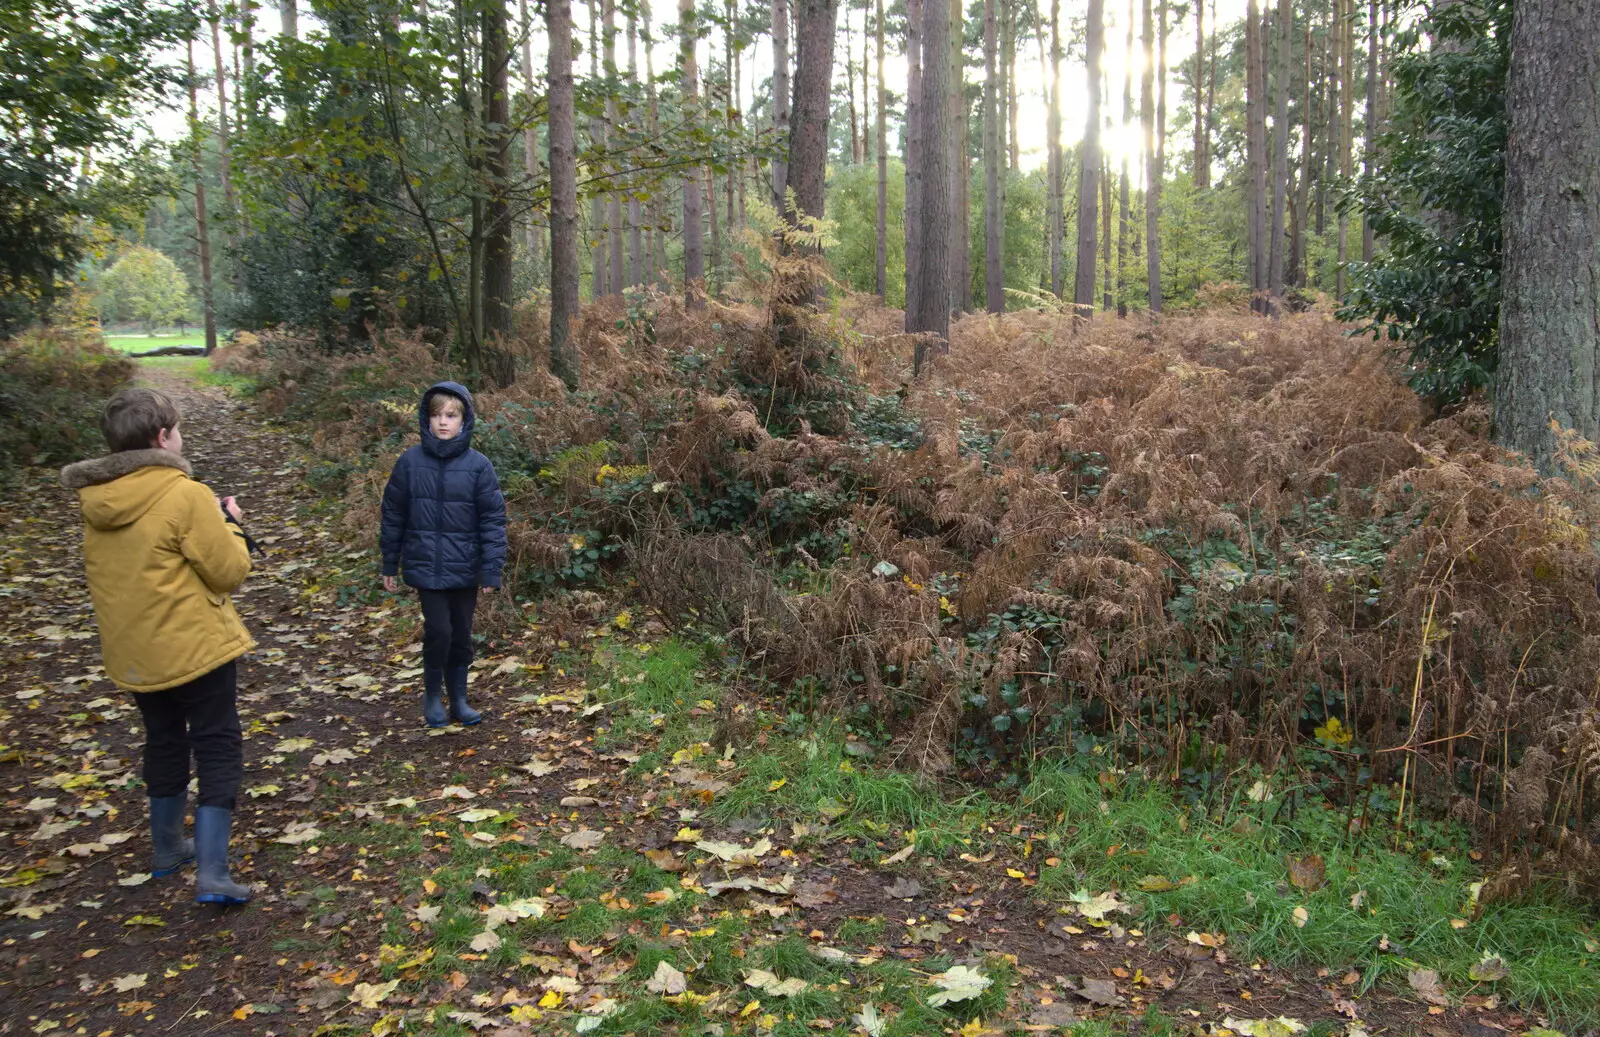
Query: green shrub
(52, 385)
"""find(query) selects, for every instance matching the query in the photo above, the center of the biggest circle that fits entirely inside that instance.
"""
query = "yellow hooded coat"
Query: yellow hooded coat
(161, 561)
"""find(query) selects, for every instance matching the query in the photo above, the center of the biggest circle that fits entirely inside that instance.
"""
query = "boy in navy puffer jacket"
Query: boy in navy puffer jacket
(444, 528)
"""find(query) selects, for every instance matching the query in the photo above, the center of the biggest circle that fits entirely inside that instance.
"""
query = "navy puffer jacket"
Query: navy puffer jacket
(444, 519)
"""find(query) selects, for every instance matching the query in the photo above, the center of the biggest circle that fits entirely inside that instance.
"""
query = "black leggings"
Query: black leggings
(202, 718)
(447, 627)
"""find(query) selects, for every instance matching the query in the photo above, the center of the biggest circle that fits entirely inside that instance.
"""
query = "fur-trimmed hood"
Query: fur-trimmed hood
(119, 488)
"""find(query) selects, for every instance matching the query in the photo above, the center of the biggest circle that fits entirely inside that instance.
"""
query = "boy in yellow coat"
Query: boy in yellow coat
(162, 556)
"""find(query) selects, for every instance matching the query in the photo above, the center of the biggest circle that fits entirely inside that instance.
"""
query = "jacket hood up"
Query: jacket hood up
(447, 448)
(118, 489)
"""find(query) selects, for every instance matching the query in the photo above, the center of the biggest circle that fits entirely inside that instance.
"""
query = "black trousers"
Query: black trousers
(199, 718)
(447, 627)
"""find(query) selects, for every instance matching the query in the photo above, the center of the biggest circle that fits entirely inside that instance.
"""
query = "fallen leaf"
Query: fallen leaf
(1490, 969)
(583, 840)
(134, 880)
(370, 995)
(1099, 991)
(298, 832)
(1282, 1026)
(293, 745)
(667, 980)
(870, 1022)
(1426, 983)
(332, 756)
(132, 981)
(1301, 917)
(1308, 873)
(1054, 1014)
(486, 941)
(733, 853)
(258, 791)
(1098, 906)
(959, 983)
(458, 792)
(477, 814)
(929, 933)
(769, 983)
(904, 888)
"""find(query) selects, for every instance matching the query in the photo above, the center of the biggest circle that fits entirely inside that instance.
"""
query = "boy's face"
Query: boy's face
(169, 439)
(445, 423)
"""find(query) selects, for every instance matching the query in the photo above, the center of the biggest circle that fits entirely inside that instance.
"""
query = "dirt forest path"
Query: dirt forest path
(351, 805)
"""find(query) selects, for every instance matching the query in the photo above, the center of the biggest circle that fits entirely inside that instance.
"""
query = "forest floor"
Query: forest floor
(584, 860)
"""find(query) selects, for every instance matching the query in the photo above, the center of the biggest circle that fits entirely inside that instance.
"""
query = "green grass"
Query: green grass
(140, 343)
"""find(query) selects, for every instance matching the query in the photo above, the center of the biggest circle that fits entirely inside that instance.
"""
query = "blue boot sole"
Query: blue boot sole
(161, 873)
(220, 898)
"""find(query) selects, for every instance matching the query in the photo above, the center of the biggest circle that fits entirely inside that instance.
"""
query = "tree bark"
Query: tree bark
(1550, 310)
(202, 228)
(1055, 161)
(1009, 53)
(1123, 211)
(881, 257)
(932, 312)
(656, 236)
(636, 257)
(498, 251)
(1089, 164)
(530, 134)
(599, 265)
(1370, 131)
(1347, 103)
(1153, 163)
(563, 194)
(290, 17)
(694, 259)
(1297, 239)
(1280, 156)
(850, 90)
(1200, 167)
(224, 147)
(959, 138)
(1107, 293)
(914, 168)
(808, 136)
(780, 96)
(994, 267)
(616, 231)
(1255, 119)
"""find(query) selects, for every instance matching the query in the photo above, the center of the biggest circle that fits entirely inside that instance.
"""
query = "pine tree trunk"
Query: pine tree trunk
(1009, 53)
(694, 259)
(1550, 310)
(498, 251)
(290, 17)
(1107, 294)
(1153, 170)
(615, 231)
(808, 136)
(914, 159)
(780, 96)
(202, 227)
(960, 178)
(636, 255)
(1200, 166)
(1255, 119)
(599, 266)
(1055, 161)
(1280, 156)
(224, 146)
(1122, 183)
(1347, 104)
(1211, 88)
(881, 256)
(1297, 248)
(994, 270)
(563, 194)
(850, 90)
(530, 135)
(932, 313)
(1089, 162)
(656, 207)
(1370, 131)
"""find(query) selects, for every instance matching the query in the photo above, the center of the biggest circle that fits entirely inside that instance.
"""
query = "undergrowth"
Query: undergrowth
(1216, 549)
(53, 383)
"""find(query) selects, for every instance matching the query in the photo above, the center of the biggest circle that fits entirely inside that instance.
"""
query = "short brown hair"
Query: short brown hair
(133, 418)
(442, 400)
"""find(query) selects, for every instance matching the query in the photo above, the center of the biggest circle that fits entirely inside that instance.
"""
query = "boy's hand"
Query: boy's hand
(390, 584)
(231, 507)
